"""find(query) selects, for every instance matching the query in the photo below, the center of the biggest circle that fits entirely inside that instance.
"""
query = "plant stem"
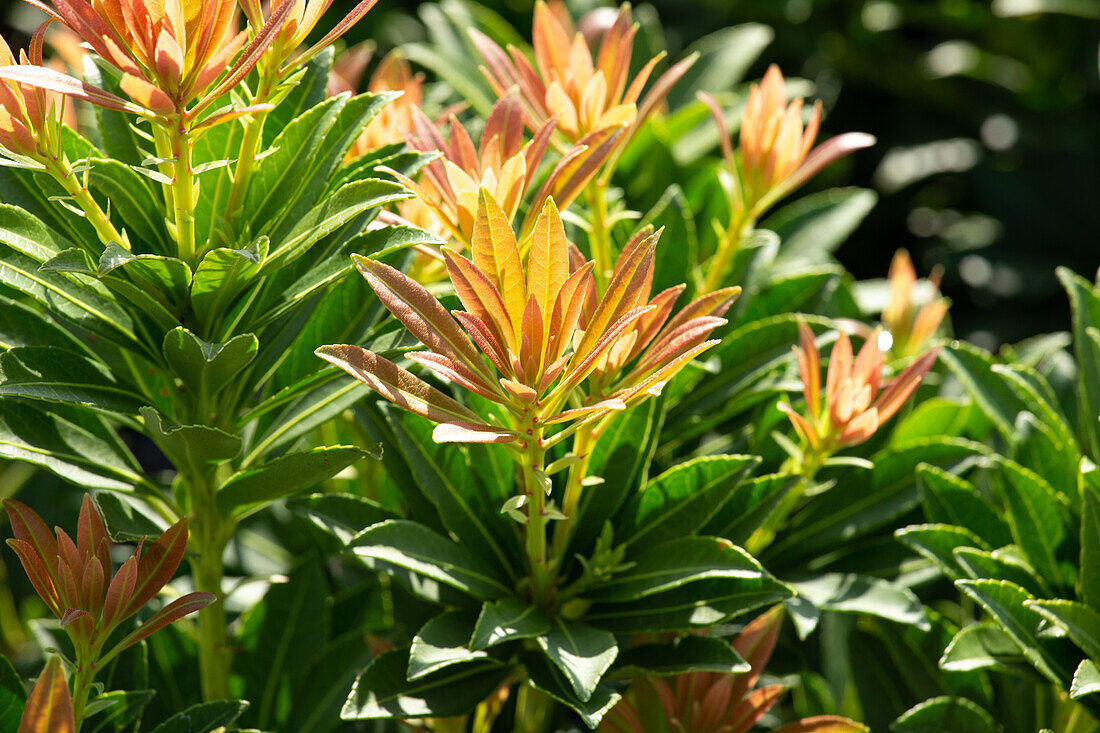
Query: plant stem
(600, 239)
(82, 687)
(531, 710)
(563, 532)
(765, 533)
(208, 541)
(737, 232)
(534, 461)
(250, 145)
(63, 174)
(183, 190)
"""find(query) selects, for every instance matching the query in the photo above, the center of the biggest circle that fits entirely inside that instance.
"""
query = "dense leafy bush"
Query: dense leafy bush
(605, 426)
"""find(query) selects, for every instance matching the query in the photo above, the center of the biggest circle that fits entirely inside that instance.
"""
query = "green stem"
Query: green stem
(738, 231)
(600, 240)
(82, 687)
(246, 162)
(250, 147)
(183, 190)
(534, 457)
(563, 531)
(765, 533)
(208, 539)
(532, 707)
(63, 174)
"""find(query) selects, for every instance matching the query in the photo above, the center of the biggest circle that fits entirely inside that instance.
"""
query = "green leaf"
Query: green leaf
(54, 375)
(190, 447)
(1006, 602)
(441, 642)
(341, 515)
(1089, 568)
(1001, 565)
(276, 182)
(323, 688)
(991, 392)
(203, 717)
(938, 543)
(866, 500)
(382, 691)
(683, 655)
(849, 593)
(310, 410)
(1080, 622)
(1038, 448)
(78, 448)
(581, 653)
(164, 278)
(800, 291)
(669, 565)
(283, 476)
(945, 715)
(982, 646)
(506, 620)
(288, 629)
(684, 498)
(542, 676)
(949, 499)
(22, 324)
(404, 544)
(329, 215)
(70, 260)
(463, 512)
(1035, 516)
(355, 113)
(1086, 680)
(12, 697)
(751, 357)
(1034, 389)
(122, 708)
(203, 367)
(700, 604)
(814, 226)
(125, 522)
(222, 275)
(1085, 305)
(749, 507)
(79, 299)
(932, 417)
(373, 242)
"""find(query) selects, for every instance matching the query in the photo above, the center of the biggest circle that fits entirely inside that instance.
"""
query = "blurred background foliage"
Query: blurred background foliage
(987, 116)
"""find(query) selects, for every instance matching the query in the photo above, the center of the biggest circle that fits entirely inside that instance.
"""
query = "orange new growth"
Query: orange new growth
(586, 93)
(777, 153)
(502, 163)
(527, 323)
(717, 702)
(25, 110)
(77, 583)
(854, 403)
(169, 51)
(911, 325)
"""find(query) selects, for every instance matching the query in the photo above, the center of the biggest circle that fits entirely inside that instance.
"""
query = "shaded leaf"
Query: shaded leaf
(443, 641)
(506, 620)
(382, 691)
(414, 547)
(284, 476)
